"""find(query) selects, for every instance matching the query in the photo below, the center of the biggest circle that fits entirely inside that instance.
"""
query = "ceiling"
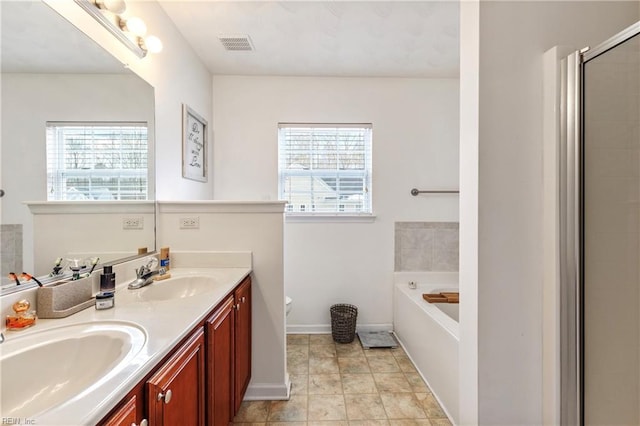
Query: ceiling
(35, 39)
(324, 38)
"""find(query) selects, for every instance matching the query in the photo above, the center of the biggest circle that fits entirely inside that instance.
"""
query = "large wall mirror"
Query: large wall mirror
(77, 151)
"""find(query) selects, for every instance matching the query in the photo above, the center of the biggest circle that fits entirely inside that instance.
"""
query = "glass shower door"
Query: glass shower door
(610, 267)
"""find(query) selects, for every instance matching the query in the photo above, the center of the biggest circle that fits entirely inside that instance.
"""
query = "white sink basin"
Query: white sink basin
(44, 369)
(176, 288)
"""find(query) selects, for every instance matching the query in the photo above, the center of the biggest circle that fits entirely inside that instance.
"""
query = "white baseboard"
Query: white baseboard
(326, 328)
(268, 391)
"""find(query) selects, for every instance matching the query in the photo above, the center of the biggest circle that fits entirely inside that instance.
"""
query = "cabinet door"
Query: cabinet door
(123, 416)
(219, 338)
(175, 393)
(242, 341)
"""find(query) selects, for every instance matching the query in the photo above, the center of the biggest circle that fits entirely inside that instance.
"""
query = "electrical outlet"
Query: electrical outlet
(192, 222)
(133, 222)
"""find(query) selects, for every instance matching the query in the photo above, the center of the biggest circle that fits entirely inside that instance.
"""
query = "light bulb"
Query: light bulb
(114, 6)
(153, 44)
(135, 26)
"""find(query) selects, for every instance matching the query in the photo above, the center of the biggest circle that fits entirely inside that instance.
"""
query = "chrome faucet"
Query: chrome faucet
(144, 275)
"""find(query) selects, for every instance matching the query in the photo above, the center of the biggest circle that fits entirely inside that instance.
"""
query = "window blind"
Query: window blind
(97, 161)
(325, 168)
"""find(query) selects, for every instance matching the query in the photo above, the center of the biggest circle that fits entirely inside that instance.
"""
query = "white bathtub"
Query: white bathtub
(429, 335)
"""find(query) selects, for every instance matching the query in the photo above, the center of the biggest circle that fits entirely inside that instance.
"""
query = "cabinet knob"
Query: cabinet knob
(243, 299)
(236, 307)
(166, 396)
(144, 422)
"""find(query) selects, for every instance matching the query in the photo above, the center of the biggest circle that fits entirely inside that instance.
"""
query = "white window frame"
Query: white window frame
(295, 213)
(57, 173)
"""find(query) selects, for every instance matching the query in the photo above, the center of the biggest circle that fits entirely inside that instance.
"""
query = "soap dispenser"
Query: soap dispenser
(105, 299)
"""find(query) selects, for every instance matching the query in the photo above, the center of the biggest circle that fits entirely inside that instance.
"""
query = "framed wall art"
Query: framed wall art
(194, 145)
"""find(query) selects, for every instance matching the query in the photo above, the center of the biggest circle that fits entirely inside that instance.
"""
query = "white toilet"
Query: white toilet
(288, 299)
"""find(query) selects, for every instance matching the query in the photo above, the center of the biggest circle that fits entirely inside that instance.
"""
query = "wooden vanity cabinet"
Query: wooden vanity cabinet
(220, 353)
(242, 344)
(175, 393)
(229, 355)
(207, 373)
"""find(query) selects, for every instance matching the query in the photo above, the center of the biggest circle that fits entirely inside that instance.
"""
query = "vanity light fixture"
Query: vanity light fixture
(117, 7)
(152, 44)
(130, 31)
(135, 26)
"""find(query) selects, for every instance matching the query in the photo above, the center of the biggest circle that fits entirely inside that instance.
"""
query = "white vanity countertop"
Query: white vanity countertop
(165, 322)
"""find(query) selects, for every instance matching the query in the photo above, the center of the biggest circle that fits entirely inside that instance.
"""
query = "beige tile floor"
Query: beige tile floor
(336, 384)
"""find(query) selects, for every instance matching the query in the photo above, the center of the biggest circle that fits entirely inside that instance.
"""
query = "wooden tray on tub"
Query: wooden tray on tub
(444, 297)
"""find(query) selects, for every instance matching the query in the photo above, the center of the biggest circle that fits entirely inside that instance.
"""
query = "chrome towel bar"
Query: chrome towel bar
(416, 191)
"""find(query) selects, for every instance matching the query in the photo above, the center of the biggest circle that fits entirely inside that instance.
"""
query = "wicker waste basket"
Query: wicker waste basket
(343, 322)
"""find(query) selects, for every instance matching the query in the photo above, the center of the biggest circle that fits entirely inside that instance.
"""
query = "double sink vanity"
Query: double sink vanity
(177, 351)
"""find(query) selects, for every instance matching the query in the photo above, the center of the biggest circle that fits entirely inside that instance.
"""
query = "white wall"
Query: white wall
(79, 230)
(28, 102)
(415, 144)
(468, 263)
(508, 247)
(246, 226)
(178, 76)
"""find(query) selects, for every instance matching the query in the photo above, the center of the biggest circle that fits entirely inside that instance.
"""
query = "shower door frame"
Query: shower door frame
(572, 230)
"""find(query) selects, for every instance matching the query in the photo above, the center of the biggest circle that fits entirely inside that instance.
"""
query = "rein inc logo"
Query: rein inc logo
(18, 421)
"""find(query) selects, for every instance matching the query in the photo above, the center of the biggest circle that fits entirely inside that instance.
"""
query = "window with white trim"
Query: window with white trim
(325, 169)
(97, 161)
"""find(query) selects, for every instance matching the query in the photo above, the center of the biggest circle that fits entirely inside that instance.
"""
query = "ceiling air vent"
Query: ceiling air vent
(236, 42)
